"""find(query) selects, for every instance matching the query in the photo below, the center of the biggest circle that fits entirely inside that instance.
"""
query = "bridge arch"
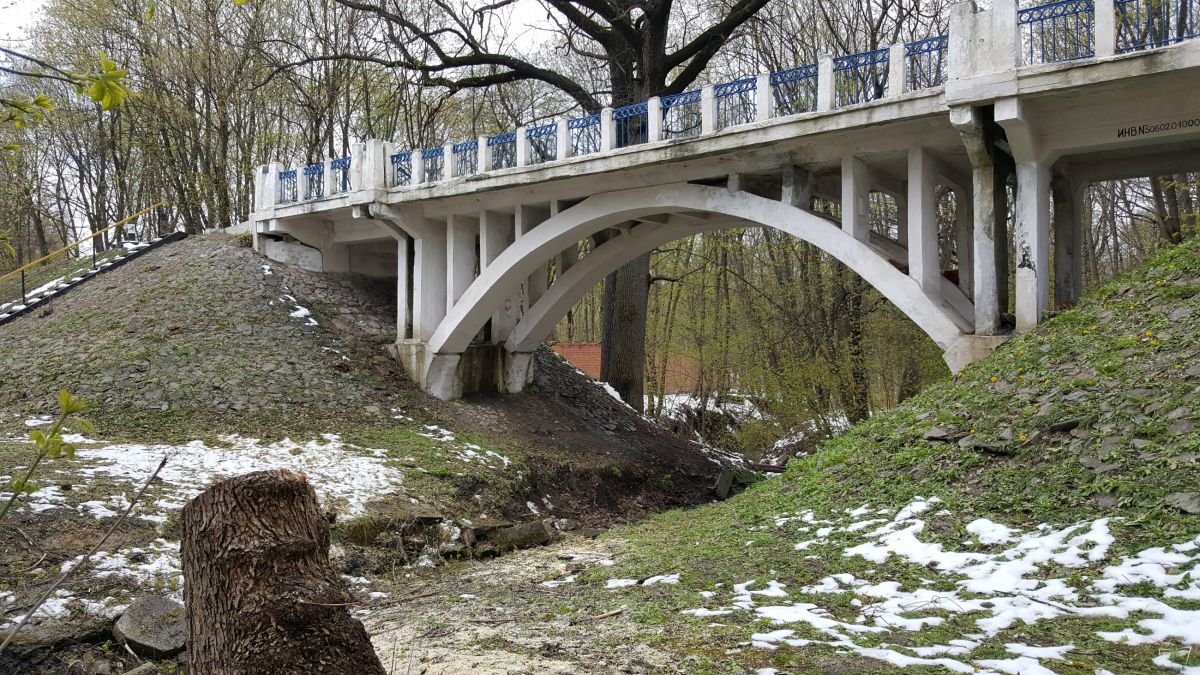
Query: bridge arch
(664, 214)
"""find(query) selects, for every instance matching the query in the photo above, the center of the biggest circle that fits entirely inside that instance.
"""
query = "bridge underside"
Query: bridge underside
(485, 266)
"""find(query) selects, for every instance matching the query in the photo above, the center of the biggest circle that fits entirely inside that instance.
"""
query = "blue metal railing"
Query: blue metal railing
(314, 181)
(632, 124)
(1145, 24)
(341, 175)
(543, 143)
(585, 134)
(1059, 31)
(434, 160)
(402, 168)
(681, 116)
(504, 150)
(859, 78)
(466, 157)
(287, 187)
(794, 91)
(925, 63)
(735, 102)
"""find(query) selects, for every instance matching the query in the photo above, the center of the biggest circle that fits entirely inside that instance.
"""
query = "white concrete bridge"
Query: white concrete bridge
(1015, 111)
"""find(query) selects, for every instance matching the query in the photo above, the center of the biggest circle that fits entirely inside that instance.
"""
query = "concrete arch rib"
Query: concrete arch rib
(503, 276)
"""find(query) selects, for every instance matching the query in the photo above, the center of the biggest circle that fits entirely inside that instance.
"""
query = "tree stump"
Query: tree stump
(260, 594)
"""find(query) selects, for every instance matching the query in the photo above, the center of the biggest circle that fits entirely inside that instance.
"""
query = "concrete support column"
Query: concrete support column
(518, 370)
(923, 263)
(460, 256)
(964, 236)
(798, 187)
(983, 171)
(496, 233)
(1068, 239)
(856, 181)
(608, 135)
(763, 108)
(429, 281)
(522, 147)
(825, 83)
(896, 79)
(708, 110)
(527, 218)
(654, 120)
(1033, 243)
(1105, 28)
(330, 184)
(403, 290)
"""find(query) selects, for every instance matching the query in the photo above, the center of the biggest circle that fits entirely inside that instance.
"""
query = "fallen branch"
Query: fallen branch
(1061, 608)
(599, 617)
(87, 558)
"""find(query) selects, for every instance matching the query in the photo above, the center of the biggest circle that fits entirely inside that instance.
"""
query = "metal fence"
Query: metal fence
(735, 102)
(314, 181)
(1145, 24)
(341, 175)
(288, 191)
(1058, 31)
(585, 134)
(859, 78)
(466, 157)
(925, 63)
(504, 150)
(402, 168)
(543, 143)
(794, 91)
(632, 124)
(434, 161)
(681, 116)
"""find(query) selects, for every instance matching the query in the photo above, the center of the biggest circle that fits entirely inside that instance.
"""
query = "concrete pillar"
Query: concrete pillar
(708, 110)
(923, 263)
(496, 233)
(330, 186)
(570, 255)
(856, 182)
(369, 168)
(964, 233)
(527, 218)
(763, 104)
(429, 281)
(461, 259)
(654, 119)
(825, 83)
(522, 147)
(518, 370)
(442, 377)
(608, 135)
(1068, 240)
(449, 163)
(1105, 30)
(485, 155)
(404, 315)
(268, 193)
(798, 187)
(983, 185)
(418, 168)
(1033, 243)
(896, 79)
(562, 138)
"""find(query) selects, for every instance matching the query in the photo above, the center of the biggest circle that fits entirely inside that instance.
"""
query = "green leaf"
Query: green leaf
(37, 437)
(150, 12)
(68, 450)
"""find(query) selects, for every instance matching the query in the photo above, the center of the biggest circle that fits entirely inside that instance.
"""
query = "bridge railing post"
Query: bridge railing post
(607, 135)
(485, 155)
(763, 110)
(301, 181)
(654, 119)
(522, 147)
(896, 62)
(825, 83)
(708, 110)
(562, 138)
(330, 186)
(982, 44)
(449, 163)
(418, 168)
(1105, 27)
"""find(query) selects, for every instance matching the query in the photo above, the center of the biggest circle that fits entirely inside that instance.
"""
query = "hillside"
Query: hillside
(1038, 514)
(225, 362)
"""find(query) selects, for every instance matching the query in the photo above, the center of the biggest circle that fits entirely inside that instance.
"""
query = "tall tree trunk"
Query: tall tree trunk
(623, 340)
(260, 593)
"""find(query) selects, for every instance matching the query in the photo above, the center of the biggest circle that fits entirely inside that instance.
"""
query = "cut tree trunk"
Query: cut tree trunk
(260, 594)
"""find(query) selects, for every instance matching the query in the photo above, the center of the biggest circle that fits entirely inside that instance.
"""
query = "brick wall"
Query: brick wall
(681, 371)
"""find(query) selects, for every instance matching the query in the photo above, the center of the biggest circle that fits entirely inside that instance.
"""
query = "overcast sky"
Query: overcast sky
(15, 15)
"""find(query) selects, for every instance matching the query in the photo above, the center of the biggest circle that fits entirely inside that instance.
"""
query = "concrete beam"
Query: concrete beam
(856, 185)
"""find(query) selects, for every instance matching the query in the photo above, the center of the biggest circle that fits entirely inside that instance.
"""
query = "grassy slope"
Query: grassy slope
(1118, 363)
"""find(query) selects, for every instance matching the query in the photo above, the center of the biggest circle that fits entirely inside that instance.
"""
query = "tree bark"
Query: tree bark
(623, 340)
(260, 593)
